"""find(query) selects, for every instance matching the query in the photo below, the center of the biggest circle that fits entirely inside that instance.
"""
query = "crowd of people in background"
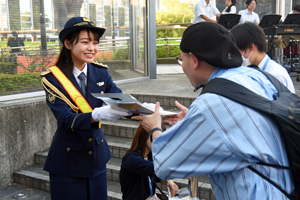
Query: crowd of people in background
(205, 10)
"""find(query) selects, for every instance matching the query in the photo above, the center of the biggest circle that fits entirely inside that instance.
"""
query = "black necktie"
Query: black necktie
(82, 83)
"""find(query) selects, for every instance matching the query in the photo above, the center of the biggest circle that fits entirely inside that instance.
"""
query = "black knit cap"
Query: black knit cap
(212, 43)
(77, 23)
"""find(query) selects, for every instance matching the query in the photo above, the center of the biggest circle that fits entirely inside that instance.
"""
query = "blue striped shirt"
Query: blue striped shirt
(221, 138)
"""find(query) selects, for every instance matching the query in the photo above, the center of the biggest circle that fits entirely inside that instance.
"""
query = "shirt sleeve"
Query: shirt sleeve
(257, 19)
(242, 19)
(215, 10)
(193, 147)
(199, 10)
(233, 9)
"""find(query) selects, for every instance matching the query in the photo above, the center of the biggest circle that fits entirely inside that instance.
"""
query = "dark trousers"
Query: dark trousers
(64, 188)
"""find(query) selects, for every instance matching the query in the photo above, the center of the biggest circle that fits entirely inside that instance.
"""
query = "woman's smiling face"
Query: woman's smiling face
(85, 50)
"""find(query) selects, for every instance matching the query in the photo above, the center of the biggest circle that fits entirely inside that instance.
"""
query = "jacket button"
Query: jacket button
(102, 140)
(90, 140)
(68, 149)
(90, 152)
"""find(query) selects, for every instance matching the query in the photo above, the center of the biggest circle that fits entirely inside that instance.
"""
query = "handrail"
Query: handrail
(110, 44)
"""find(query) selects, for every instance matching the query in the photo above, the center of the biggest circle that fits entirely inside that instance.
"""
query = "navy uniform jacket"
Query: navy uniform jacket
(134, 176)
(79, 148)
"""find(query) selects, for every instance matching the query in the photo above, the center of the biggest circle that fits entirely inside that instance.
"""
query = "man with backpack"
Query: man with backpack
(231, 142)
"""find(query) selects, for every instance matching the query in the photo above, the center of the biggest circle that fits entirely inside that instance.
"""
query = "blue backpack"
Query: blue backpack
(285, 109)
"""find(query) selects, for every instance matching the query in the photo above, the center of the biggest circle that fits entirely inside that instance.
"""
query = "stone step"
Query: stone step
(113, 170)
(35, 177)
(121, 128)
(117, 146)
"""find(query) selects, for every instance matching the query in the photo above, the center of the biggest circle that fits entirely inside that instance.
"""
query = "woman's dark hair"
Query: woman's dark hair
(233, 2)
(249, 1)
(247, 34)
(64, 61)
(140, 139)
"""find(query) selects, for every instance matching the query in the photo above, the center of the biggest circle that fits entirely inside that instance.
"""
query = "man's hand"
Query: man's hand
(173, 119)
(150, 121)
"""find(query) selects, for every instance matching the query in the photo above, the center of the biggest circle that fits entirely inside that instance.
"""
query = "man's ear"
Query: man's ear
(252, 47)
(196, 61)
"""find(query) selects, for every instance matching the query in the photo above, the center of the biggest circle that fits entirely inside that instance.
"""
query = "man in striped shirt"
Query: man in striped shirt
(216, 135)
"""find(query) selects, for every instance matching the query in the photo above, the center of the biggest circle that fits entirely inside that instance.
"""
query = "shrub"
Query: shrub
(168, 33)
(19, 83)
(161, 52)
(120, 54)
(8, 68)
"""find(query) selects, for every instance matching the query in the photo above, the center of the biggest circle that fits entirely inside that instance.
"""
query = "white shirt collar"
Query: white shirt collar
(76, 71)
(262, 62)
(247, 11)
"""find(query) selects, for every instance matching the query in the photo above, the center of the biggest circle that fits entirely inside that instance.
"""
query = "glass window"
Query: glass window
(25, 11)
(3, 15)
(122, 47)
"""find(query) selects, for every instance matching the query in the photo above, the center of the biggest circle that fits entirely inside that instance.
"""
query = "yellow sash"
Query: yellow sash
(76, 96)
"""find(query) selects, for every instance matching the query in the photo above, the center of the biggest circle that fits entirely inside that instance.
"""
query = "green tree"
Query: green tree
(174, 12)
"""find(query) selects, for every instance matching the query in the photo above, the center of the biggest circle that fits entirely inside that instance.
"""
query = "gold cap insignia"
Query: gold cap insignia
(86, 19)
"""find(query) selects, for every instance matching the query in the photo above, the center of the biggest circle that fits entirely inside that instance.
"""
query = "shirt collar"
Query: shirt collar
(262, 62)
(206, 4)
(76, 71)
(217, 72)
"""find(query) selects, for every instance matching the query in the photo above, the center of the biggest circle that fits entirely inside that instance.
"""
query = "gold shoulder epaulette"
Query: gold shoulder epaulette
(100, 64)
(44, 73)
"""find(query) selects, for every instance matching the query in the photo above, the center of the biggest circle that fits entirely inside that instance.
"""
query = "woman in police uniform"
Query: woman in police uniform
(79, 152)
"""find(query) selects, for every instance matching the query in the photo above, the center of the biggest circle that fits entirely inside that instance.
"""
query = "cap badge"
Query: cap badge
(229, 56)
(86, 19)
(100, 84)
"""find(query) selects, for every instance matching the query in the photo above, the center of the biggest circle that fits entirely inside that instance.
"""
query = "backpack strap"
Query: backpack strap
(237, 93)
(270, 181)
(244, 96)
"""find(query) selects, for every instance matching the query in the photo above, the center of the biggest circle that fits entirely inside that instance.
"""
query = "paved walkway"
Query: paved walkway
(169, 69)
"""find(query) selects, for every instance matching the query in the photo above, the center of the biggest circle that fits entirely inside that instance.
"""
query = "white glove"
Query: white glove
(107, 113)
